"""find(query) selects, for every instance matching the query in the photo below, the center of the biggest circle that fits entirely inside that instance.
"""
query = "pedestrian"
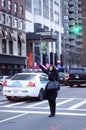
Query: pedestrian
(51, 95)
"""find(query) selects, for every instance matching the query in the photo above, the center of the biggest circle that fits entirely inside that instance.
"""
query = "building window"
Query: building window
(10, 21)
(21, 10)
(29, 5)
(19, 48)
(37, 7)
(46, 9)
(51, 10)
(9, 4)
(3, 19)
(15, 7)
(10, 47)
(16, 23)
(4, 46)
(21, 25)
(65, 17)
(3, 3)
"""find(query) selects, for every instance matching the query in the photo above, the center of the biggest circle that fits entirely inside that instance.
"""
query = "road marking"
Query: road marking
(77, 105)
(7, 119)
(13, 104)
(3, 102)
(35, 104)
(63, 102)
(2, 98)
(37, 112)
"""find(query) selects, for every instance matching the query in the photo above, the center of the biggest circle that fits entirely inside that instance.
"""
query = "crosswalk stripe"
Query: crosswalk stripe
(36, 104)
(3, 102)
(7, 119)
(77, 105)
(13, 104)
(2, 98)
(42, 112)
(63, 102)
(45, 103)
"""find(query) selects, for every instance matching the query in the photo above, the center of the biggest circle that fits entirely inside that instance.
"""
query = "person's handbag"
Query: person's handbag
(53, 85)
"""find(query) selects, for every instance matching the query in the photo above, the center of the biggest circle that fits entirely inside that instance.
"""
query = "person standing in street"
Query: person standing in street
(51, 95)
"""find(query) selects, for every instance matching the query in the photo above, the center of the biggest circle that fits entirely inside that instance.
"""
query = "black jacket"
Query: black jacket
(52, 76)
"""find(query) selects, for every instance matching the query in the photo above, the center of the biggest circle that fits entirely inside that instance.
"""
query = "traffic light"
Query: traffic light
(76, 28)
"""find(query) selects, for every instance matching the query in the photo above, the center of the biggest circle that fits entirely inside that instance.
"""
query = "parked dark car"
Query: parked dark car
(63, 77)
(77, 76)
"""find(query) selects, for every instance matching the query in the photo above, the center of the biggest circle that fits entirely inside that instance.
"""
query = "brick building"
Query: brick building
(12, 36)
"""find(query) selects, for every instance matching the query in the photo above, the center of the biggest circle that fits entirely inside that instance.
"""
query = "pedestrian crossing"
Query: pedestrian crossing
(62, 104)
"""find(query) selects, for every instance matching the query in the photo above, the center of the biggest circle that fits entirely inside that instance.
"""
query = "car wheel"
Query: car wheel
(41, 95)
(71, 85)
(78, 85)
(9, 98)
(1, 87)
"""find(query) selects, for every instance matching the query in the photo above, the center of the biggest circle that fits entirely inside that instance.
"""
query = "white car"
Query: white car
(30, 84)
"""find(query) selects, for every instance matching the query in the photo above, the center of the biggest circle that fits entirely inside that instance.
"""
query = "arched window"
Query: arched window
(4, 46)
(10, 47)
(19, 46)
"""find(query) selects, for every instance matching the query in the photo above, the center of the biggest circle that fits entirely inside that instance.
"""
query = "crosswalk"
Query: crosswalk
(64, 106)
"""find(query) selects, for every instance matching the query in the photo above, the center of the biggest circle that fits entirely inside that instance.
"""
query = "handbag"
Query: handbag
(53, 85)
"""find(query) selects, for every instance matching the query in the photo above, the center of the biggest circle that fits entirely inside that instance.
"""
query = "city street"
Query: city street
(33, 115)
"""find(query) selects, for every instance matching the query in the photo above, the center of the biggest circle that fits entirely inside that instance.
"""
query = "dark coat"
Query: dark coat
(52, 76)
(50, 94)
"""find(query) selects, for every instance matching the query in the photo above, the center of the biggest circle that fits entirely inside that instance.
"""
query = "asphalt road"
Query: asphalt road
(33, 115)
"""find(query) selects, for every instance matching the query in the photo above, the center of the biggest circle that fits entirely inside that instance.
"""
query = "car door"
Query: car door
(43, 80)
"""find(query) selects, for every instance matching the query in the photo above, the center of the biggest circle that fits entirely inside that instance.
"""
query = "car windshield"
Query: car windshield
(77, 71)
(23, 77)
(62, 74)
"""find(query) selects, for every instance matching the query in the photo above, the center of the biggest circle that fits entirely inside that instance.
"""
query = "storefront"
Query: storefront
(37, 46)
(9, 65)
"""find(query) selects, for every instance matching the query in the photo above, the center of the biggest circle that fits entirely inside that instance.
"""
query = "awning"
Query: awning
(21, 37)
(10, 59)
(46, 36)
(1, 34)
(13, 38)
(6, 34)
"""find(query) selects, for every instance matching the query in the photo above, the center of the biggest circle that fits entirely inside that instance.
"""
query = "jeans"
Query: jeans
(52, 104)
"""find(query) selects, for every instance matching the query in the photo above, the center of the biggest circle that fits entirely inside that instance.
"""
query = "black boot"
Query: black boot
(51, 115)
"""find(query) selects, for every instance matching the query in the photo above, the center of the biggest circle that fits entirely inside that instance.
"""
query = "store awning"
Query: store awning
(13, 38)
(10, 59)
(1, 34)
(46, 36)
(21, 37)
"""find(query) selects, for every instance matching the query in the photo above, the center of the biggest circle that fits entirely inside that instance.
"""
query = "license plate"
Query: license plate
(77, 76)
(16, 91)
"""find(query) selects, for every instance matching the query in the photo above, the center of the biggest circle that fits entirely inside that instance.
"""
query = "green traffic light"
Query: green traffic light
(76, 29)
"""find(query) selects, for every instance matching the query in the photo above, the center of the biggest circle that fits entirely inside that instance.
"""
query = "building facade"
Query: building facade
(12, 36)
(72, 45)
(43, 17)
(83, 60)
